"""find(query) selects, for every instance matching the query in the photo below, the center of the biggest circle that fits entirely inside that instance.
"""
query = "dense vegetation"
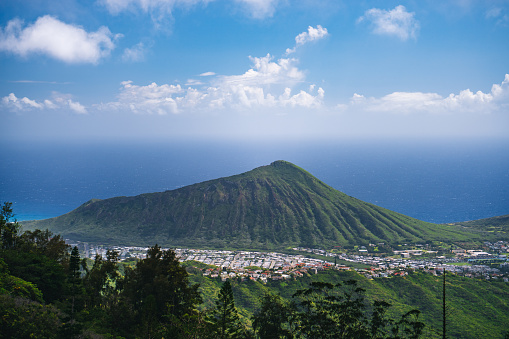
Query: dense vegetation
(47, 291)
(274, 206)
(476, 308)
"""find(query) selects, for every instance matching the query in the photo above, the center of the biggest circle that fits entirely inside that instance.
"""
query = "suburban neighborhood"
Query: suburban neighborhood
(263, 266)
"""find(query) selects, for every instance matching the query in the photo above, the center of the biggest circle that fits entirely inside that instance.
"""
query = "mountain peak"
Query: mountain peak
(281, 163)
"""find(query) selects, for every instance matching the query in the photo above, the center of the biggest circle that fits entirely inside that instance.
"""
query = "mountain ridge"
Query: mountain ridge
(273, 206)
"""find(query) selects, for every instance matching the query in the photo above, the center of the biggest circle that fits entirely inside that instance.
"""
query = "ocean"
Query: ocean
(439, 181)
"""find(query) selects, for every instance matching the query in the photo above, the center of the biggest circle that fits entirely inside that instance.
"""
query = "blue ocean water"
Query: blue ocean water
(441, 181)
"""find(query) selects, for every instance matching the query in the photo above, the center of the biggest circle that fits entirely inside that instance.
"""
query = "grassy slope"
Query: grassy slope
(270, 207)
(478, 309)
(497, 225)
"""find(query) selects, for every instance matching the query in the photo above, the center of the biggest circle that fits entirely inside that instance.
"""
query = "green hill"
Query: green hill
(270, 207)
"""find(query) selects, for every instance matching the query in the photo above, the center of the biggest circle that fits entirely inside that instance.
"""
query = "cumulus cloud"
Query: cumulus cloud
(416, 102)
(267, 84)
(77, 107)
(151, 99)
(20, 104)
(48, 35)
(311, 35)
(266, 72)
(396, 22)
(58, 101)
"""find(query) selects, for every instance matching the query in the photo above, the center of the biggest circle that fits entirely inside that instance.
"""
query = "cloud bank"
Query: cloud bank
(268, 84)
(56, 39)
(465, 101)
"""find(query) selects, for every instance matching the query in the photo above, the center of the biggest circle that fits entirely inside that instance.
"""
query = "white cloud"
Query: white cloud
(20, 104)
(266, 72)
(396, 22)
(48, 35)
(207, 74)
(135, 53)
(151, 99)
(193, 82)
(77, 107)
(311, 35)
(302, 99)
(418, 102)
(60, 101)
(260, 9)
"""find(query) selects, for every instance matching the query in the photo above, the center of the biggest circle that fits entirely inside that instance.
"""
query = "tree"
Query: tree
(100, 281)
(17, 287)
(8, 230)
(45, 243)
(48, 275)
(23, 318)
(156, 295)
(74, 275)
(275, 319)
(325, 310)
(225, 316)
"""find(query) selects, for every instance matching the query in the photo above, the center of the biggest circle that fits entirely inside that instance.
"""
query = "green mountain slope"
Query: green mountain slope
(273, 206)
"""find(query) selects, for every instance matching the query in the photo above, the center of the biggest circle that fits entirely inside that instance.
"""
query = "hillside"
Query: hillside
(497, 225)
(270, 207)
(477, 308)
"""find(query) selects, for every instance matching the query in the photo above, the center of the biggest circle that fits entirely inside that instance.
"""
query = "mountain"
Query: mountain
(270, 207)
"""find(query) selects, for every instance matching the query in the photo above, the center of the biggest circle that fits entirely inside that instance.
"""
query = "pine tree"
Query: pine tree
(74, 274)
(225, 316)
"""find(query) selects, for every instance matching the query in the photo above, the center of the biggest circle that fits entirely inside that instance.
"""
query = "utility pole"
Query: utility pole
(444, 308)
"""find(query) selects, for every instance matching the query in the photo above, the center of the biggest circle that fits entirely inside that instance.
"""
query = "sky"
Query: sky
(254, 69)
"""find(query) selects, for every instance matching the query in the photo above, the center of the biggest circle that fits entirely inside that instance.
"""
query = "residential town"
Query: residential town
(279, 266)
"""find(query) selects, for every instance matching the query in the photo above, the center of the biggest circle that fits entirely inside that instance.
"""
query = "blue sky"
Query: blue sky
(166, 69)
